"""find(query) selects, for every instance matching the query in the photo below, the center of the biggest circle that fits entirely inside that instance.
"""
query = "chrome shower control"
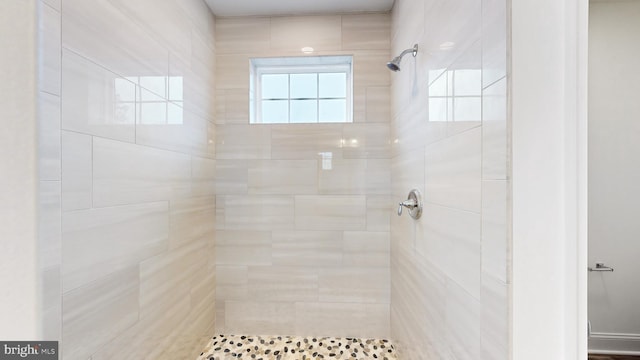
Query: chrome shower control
(413, 204)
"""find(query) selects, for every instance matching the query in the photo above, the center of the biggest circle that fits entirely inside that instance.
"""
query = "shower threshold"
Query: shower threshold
(223, 347)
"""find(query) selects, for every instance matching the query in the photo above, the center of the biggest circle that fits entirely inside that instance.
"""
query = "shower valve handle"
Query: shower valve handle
(413, 204)
(409, 204)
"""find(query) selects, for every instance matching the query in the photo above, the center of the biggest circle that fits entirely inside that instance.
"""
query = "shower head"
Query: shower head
(394, 65)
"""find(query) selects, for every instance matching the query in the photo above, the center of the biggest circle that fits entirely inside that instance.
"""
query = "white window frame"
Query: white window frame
(299, 65)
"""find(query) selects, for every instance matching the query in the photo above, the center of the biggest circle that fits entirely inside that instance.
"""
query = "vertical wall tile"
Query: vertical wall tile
(367, 69)
(367, 31)
(232, 71)
(190, 83)
(138, 218)
(494, 132)
(330, 212)
(233, 106)
(49, 224)
(341, 319)
(96, 101)
(49, 137)
(95, 314)
(52, 304)
(191, 219)
(241, 247)
(166, 279)
(463, 314)
(354, 285)
(495, 247)
(77, 166)
(127, 51)
(126, 173)
(243, 142)
(241, 35)
(118, 237)
(176, 129)
(306, 141)
(283, 283)
(232, 283)
(232, 177)
(292, 33)
(283, 177)
(378, 106)
(304, 185)
(352, 177)
(367, 249)
(173, 32)
(259, 317)
(441, 112)
(307, 248)
(494, 39)
(453, 171)
(408, 172)
(370, 141)
(50, 43)
(203, 172)
(379, 209)
(452, 243)
(49, 253)
(55, 4)
(465, 90)
(258, 212)
(494, 338)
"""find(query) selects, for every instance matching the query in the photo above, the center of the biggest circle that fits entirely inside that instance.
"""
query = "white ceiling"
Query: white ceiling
(295, 7)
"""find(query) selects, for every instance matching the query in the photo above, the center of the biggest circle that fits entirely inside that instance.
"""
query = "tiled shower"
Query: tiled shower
(167, 218)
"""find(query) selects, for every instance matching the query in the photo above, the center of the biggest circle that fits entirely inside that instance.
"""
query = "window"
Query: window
(301, 90)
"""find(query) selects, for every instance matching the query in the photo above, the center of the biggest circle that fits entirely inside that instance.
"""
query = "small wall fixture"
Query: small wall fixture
(394, 65)
(413, 204)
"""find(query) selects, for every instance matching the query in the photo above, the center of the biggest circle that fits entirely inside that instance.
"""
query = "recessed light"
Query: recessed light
(307, 50)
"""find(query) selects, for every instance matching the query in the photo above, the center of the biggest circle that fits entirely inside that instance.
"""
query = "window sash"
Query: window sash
(258, 70)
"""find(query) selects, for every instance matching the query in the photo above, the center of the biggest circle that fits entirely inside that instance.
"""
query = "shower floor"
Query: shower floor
(224, 347)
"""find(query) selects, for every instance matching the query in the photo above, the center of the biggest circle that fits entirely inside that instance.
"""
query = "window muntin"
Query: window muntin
(301, 90)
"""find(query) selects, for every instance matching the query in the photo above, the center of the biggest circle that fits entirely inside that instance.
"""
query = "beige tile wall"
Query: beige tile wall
(49, 189)
(449, 270)
(303, 248)
(128, 169)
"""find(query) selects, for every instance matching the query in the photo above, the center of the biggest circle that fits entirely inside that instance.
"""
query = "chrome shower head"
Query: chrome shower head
(394, 65)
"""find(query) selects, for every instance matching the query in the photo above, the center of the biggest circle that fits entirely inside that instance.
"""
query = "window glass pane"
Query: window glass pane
(333, 111)
(304, 86)
(275, 111)
(333, 85)
(275, 86)
(304, 111)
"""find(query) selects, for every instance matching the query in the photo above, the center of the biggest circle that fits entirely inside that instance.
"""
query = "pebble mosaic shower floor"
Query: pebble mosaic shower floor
(223, 347)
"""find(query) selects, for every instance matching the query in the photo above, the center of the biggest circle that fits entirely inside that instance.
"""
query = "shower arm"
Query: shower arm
(413, 50)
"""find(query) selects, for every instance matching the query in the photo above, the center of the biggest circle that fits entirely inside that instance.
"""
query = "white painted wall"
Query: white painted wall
(19, 298)
(548, 82)
(614, 152)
